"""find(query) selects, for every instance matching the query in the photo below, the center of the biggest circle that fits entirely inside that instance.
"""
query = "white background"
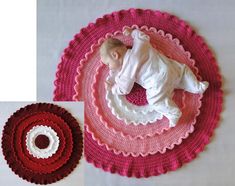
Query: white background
(18, 50)
(8, 177)
(58, 21)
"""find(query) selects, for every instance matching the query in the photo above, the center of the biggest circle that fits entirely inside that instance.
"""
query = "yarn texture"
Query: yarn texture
(62, 151)
(115, 138)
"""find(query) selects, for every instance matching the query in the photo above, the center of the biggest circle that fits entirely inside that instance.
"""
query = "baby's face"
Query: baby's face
(114, 61)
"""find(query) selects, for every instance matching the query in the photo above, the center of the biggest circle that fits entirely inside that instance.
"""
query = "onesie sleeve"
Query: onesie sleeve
(123, 85)
(137, 56)
(112, 75)
(140, 36)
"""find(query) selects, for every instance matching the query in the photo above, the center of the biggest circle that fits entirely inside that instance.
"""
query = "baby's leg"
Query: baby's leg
(190, 83)
(168, 108)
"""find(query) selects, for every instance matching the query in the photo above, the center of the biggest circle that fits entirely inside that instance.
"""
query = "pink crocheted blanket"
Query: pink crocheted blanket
(123, 135)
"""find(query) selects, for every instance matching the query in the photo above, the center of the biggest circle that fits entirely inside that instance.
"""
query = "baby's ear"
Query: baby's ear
(114, 54)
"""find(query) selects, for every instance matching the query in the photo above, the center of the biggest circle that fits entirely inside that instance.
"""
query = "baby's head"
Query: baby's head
(112, 52)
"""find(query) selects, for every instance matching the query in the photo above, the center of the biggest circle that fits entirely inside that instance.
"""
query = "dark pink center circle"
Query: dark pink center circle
(42, 141)
(137, 96)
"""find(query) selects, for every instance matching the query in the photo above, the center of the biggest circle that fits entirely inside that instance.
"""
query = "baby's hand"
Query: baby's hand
(108, 85)
(127, 31)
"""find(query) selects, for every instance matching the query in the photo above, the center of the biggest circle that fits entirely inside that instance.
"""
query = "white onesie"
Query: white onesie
(155, 72)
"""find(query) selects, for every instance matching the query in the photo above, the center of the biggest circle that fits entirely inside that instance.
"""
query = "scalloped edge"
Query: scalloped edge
(96, 45)
(201, 41)
(193, 155)
(127, 121)
(58, 166)
(116, 151)
(62, 147)
(121, 104)
(78, 147)
(133, 154)
(29, 143)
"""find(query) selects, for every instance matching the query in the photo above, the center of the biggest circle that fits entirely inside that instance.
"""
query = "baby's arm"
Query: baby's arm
(110, 81)
(140, 48)
(136, 34)
(118, 85)
(125, 82)
(123, 85)
(111, 77)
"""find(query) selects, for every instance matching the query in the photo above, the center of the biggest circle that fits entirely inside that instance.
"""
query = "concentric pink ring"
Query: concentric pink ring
(205, 62)
(97, 125)
(116, 135)
(91, 65)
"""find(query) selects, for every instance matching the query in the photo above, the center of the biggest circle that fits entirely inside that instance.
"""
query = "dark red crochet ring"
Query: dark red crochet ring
(42, 170)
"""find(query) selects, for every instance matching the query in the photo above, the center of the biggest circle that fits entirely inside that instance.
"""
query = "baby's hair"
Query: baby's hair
(108, 45)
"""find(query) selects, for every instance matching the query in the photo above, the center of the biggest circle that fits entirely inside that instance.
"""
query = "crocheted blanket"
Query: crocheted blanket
(123, 133)
(42, 143)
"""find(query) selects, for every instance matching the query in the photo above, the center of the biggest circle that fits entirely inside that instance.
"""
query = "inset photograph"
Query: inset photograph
(42, 143)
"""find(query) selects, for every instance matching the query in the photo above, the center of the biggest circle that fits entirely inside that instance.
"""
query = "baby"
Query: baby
(152, 70)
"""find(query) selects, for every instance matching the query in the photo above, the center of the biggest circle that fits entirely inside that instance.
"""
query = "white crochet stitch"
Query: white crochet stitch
(53, 141)
(155, 72)
(130, 113)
